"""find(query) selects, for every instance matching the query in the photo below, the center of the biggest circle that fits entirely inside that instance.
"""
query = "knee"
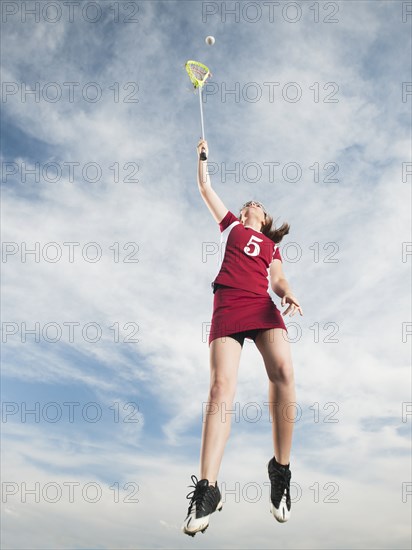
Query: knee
(281, 373)
(221, 389)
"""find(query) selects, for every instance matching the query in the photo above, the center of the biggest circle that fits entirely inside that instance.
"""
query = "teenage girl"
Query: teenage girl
(243, 308)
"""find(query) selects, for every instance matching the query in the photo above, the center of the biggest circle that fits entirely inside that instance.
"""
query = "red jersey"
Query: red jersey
(245, 256)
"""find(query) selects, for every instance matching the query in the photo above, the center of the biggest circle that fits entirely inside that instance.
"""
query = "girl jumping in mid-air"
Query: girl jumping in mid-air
(243, 308)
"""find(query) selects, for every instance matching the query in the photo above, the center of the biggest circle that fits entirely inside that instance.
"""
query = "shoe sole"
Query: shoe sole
(272, 509)
(202, 529)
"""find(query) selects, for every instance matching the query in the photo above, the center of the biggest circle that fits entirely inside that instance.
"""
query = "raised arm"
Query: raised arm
(209, 195)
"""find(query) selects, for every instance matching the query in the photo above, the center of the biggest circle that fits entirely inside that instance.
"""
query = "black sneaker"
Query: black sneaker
(204, 500)
(280, 490)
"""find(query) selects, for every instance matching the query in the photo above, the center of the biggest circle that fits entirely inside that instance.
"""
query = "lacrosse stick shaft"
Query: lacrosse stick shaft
(203, 152)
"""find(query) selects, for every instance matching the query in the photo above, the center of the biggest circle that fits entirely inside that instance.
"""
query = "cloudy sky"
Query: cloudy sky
(108, 252)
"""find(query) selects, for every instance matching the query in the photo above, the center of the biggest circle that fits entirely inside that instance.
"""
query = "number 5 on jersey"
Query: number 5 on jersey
(254, 248)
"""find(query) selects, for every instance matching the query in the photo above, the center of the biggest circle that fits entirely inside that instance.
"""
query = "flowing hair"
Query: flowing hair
(269, 229)
(274, 233)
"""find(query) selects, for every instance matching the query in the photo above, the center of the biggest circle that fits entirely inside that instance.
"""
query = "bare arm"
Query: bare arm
(209, 195)
(281, 287)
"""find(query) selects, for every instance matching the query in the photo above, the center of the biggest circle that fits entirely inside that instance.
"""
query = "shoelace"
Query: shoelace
(199, 496)
(279, 479)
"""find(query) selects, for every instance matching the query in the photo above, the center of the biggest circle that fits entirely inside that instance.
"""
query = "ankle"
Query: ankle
(280, 463)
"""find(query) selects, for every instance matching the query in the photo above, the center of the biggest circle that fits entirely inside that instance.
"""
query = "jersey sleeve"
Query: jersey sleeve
(276, 254)
(227, 220)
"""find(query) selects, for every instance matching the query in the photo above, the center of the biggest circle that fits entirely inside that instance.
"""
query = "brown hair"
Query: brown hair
(271, 231)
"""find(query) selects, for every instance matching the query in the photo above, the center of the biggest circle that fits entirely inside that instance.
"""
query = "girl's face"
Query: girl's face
(257, 207)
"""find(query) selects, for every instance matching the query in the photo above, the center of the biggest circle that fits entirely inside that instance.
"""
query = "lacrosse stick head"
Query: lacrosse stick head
(198, 73)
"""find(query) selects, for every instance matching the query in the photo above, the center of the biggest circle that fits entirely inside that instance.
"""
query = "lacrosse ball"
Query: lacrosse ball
(210, 40)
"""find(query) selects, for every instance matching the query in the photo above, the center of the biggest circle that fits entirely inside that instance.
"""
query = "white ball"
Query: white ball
(210, 40)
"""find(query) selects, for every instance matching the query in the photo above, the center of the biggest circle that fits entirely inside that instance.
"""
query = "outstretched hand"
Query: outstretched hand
(293, 305)
(202, 145)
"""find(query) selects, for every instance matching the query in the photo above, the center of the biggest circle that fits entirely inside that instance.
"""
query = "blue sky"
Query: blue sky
(329, 163)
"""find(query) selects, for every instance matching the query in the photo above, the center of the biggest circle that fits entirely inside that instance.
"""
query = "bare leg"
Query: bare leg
(224, 366)
(275, 350)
